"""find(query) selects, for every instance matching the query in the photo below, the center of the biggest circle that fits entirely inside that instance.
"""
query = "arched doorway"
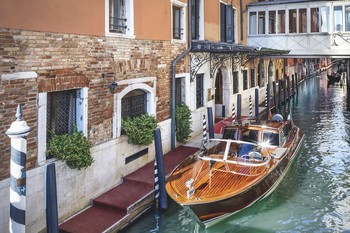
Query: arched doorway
(218, 87)
(222, 92)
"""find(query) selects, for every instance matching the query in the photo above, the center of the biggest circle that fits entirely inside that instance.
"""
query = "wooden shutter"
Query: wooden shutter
(195, 19)
(222, 22)
(229, 24)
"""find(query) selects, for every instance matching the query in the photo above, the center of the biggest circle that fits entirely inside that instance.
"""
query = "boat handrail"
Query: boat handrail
(243, 163)
(236, 141)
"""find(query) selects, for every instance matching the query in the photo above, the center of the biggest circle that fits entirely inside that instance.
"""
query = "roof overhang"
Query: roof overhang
(218, 52)
(227, 48)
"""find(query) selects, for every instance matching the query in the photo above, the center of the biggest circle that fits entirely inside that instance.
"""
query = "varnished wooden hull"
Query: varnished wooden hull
(221, 194)
(210, 213)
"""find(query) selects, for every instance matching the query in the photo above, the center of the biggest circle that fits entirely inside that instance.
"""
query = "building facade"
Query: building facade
(91, 64)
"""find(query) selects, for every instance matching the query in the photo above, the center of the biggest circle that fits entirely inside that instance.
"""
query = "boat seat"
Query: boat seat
(278, 152)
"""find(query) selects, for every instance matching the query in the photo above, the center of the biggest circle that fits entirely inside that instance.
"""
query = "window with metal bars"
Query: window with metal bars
(199, 90)
(245, 79)
(134, 103)
(178, 91)
(117, 16)
(177, 27)
(235, 82)
(252, 77)
(61, 112)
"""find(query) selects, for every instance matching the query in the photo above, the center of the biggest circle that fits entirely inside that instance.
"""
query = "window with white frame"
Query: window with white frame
(315, 19)
(347, 18)
(261, 22)
(179, 90)
(119, 17)
(302, 20)
(272, 22)
(60, 112)
(178, 20)
(293, 21)
(324, 19)
(281, 21)
(136, 99)
(338, 18)
(134, 103)
(177, 27)
(252, 23)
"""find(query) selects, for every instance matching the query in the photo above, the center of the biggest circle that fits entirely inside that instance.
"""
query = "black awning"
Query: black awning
(200, 46)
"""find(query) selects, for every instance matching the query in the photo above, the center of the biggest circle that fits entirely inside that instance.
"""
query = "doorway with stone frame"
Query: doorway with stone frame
(222, 93)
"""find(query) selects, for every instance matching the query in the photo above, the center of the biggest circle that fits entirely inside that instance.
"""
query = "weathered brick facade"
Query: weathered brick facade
(67, 61)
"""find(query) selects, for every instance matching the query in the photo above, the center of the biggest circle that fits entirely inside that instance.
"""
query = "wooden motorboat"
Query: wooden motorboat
(232, 173)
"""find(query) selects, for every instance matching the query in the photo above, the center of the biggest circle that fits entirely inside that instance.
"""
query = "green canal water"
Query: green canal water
(315, 194)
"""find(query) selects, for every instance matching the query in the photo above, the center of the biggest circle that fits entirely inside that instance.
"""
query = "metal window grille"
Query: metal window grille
(117, 16)
(245, 80)
(199, 90)
(178, 91)
(252, 77)
(61, 112)
(235, 82)
(177, 30)
(134, 104)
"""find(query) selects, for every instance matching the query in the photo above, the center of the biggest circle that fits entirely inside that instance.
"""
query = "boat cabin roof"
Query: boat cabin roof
(268, 126)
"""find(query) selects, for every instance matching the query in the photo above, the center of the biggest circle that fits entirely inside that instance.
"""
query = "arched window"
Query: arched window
(134, 103)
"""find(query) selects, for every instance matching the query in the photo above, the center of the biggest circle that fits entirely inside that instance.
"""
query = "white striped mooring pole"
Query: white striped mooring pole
(156, 180)
(18, 133)
(159, 173)
(204, 130)
(250, 107)
(233, 118)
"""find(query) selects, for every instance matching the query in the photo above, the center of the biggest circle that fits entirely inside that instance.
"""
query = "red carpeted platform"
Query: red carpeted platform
(124, 195)
(112, 206)
(92, 220)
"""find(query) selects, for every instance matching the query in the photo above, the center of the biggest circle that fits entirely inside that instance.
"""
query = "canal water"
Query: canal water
(315, 194)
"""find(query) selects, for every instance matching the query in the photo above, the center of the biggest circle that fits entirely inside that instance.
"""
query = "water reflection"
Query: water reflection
(315, 194)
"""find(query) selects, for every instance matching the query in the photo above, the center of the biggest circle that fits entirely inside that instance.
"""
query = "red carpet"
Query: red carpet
(93, 220)
(112, 206)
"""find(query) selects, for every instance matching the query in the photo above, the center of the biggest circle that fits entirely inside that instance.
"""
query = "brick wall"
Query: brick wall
(67, 61)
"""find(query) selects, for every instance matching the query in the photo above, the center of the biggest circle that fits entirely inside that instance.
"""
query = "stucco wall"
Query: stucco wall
(78, 17)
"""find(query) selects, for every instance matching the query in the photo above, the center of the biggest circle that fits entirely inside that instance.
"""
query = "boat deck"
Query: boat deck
(224, 180)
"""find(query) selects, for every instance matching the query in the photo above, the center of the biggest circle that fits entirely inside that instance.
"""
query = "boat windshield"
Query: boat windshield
(270, 139)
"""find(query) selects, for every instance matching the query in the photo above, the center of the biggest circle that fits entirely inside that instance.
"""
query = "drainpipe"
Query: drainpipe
(173, 67)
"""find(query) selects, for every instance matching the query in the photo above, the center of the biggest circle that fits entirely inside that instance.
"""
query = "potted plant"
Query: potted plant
(73, 148)
(139, 129)
(182, 123)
